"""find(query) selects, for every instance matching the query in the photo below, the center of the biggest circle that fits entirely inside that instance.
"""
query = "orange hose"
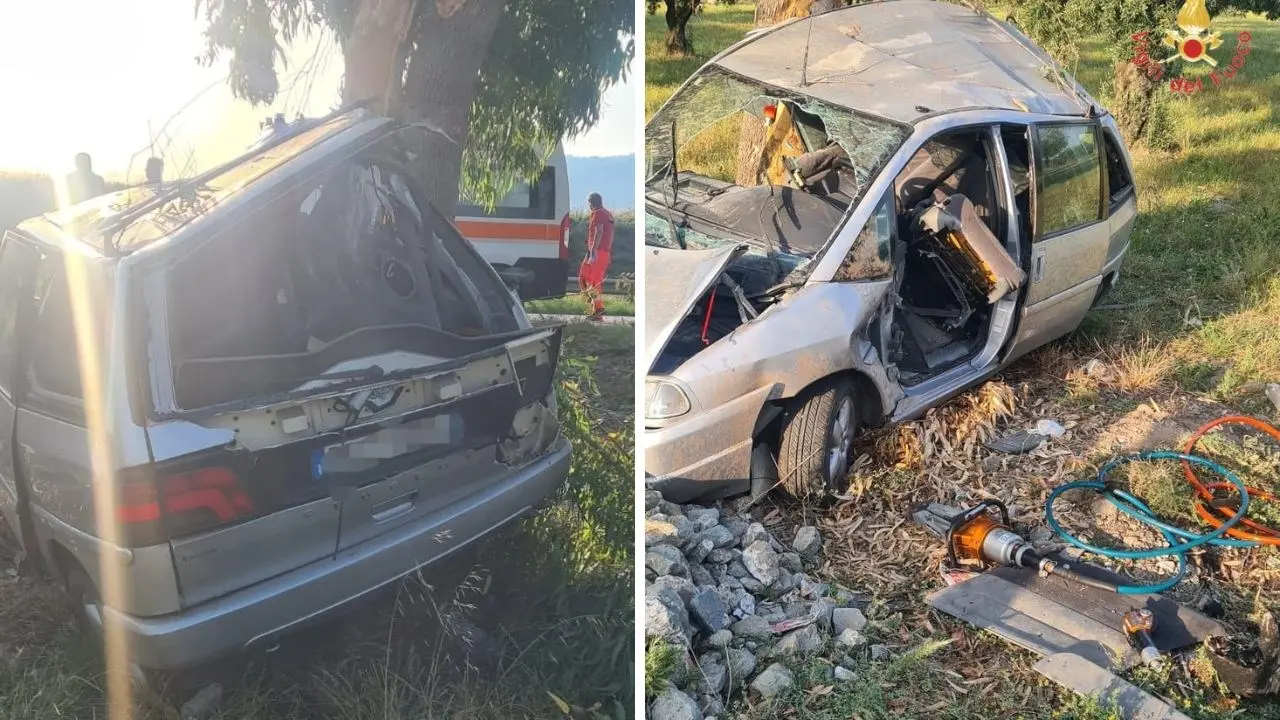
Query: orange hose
(1215, 515)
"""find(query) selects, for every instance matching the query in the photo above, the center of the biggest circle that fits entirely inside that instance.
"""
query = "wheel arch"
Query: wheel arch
(871, 406)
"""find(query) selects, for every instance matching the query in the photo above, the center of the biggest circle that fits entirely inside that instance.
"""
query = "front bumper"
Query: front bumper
(257, 615)
(708, 454)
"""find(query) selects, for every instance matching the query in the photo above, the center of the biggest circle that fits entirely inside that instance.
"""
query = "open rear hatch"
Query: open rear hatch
(370, 367)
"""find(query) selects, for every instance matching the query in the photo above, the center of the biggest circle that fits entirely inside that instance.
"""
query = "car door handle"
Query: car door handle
(394, 508)
(1037, 267)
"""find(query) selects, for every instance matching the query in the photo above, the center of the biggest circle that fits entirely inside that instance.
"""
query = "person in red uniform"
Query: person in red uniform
(599, 251)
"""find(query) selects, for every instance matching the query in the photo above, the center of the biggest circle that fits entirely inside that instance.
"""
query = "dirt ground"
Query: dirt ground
(871, 546)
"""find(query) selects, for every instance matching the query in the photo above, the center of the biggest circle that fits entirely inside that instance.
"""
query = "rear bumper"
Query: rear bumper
(259, 614)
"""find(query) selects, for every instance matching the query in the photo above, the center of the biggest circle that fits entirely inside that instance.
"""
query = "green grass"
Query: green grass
(555, 594)
(577, 304)
(1205, 238)
(714, 29)
(1204, 246)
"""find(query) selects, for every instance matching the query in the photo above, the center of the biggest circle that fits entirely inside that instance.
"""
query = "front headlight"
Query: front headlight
(663, 400)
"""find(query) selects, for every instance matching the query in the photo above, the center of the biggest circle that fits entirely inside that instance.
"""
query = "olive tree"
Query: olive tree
(1141, 112)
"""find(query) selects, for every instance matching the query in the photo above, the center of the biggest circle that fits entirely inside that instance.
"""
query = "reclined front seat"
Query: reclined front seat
(952, 228)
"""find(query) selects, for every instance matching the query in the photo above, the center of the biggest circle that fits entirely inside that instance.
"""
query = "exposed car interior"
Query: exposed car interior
(348, 251)
(786, 205)
(952, 264)
(789, 190)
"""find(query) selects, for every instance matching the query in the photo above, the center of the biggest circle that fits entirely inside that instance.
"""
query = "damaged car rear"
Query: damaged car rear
(852, 217)
(313, 386)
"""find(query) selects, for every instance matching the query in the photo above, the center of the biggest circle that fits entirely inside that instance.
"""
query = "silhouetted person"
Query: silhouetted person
(155, 171)
(84, 183)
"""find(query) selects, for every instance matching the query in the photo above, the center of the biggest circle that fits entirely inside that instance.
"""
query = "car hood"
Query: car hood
(674, 281)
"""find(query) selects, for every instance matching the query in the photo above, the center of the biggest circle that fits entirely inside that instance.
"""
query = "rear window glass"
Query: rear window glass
(1118, 181)
(1069, 179)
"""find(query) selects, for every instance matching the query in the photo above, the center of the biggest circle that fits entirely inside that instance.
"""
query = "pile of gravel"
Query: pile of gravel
(740, 605)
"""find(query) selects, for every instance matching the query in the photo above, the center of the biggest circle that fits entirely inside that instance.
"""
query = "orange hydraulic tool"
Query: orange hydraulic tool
(1215, 511)
(979, 536)
(1139, 623)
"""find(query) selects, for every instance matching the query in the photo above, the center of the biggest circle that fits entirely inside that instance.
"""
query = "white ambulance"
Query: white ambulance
(526, 237)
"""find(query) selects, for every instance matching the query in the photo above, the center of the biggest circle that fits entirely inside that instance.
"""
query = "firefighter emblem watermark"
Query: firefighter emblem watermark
(1193, 42)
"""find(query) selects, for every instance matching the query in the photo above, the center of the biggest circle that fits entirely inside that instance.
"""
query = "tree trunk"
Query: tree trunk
(677, 16)
(772, 12)
(450, 42)
(751, 138)
(1134, 95)
(373, 55)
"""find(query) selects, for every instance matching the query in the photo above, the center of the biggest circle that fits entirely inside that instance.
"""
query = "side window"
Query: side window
(17, 271)
(1119, 184)
(868, 259)
(1068, 177)
(526, 201)
(55, 359)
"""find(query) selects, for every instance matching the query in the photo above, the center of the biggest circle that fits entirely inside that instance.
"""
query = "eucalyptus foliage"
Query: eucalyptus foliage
(547, 66)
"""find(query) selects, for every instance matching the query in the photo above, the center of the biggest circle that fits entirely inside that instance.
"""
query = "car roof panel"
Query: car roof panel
(895, 57)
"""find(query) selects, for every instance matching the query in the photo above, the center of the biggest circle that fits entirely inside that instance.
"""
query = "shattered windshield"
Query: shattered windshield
(779, 169)
(738, 131)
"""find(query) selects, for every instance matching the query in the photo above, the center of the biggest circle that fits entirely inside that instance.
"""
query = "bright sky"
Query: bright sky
(85, 76)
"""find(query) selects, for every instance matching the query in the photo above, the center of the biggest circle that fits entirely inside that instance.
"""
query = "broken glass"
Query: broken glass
(714, 112)
(781, 169)
(770, 264)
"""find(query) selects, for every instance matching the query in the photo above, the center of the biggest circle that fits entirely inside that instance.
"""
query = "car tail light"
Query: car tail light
(179, 504)
(214, 490)
(565, 225)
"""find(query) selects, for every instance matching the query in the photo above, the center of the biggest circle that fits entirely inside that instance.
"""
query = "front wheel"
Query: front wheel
(816, 450)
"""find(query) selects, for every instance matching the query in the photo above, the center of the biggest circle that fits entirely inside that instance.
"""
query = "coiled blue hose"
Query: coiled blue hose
(1180, 541)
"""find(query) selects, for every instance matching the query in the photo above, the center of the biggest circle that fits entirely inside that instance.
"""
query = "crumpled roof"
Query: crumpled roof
(893, 58)
(91, 221)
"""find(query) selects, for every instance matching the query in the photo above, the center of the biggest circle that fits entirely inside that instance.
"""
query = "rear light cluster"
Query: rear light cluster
(156, 510)
(566, 225)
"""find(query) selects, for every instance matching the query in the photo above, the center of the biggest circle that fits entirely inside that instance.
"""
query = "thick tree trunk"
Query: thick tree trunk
(772, 12)
(677, 17)
(373, 55)
(1134, 95)
(418, 60)
(451, 41)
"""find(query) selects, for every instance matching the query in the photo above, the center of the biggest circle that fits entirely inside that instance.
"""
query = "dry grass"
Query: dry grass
(951, 433)
(1143, 366)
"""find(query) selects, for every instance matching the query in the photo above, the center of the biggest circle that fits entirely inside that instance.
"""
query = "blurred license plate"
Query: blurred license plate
(369, 451)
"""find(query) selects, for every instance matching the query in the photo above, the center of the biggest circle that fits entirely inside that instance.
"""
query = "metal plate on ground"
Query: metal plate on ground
(1047, 616)
(1076, 673)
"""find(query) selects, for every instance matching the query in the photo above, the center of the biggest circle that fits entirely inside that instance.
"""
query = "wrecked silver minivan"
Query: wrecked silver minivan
(300, 384)
(851, 218)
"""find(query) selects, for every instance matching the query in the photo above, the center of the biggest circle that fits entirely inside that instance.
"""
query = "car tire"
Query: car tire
(816, 447)
(85, 603)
